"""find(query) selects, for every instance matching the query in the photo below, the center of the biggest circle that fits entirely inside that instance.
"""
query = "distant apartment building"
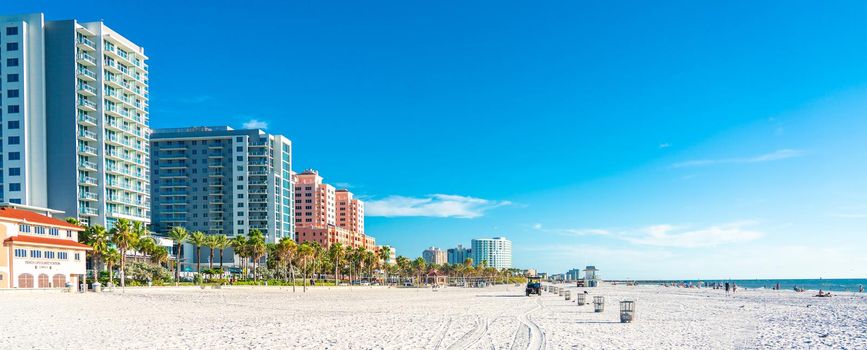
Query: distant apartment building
(219, 180)
(392, 255)
(495, 252)
(459, 254)
(573, 274)
(434, 256)
(327, 216)
(74, 119)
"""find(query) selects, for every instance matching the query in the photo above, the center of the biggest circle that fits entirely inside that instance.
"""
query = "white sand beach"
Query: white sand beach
(450, 318)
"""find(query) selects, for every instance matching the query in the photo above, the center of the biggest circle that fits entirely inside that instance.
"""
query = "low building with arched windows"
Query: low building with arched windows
(38, 251)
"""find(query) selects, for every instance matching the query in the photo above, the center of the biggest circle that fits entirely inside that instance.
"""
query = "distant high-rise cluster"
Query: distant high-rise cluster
(434, 256)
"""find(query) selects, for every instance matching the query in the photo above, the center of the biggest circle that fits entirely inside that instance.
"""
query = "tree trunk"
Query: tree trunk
(122, 268)
(198, 259)
(221, 258)
(305, 276)
(211, 259)
(292, 273)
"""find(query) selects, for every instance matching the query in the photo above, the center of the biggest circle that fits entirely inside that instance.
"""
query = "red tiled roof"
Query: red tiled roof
(31, 217)
(46, 240)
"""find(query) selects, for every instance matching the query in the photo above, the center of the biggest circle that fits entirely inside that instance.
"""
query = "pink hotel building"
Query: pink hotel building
(327, 216)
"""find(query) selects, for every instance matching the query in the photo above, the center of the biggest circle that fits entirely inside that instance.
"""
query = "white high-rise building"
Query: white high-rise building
(75, 119)
(495, 252)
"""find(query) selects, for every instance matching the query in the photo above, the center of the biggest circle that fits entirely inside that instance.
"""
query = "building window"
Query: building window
(13, 124)
(53, 231)
(14, 187)
(11, 46)
(12, 93)
(35, 253)
(77, 256)
(39, 230)
(20, 253)
(49, 254)
(14, 140)
(12, 108)
(14, 156)
(240, 222)
(62, 255)
(14, 171)
(11, 62)
(11, 30)
(11, 78)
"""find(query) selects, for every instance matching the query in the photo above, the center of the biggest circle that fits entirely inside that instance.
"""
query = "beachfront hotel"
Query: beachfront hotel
(74, 119)
(326, 215)
(219, 180)
(434, 256)
(496, 252)
(39, 251)
(459, 254)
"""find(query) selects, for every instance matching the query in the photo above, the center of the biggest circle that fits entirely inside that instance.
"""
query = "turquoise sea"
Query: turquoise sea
(837, 285)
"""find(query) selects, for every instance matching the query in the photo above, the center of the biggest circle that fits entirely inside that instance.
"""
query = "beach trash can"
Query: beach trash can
(97, 287)
(568, 295)
(560, 292)
(627, 311)
(581, 299)
(598, 304)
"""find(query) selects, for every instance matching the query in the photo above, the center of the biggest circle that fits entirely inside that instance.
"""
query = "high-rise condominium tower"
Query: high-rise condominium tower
(75, 119)
(495, 252)
(222, 181)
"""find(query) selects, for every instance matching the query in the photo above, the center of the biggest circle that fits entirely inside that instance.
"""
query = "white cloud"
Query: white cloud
(767, 157)
(682, 237)
(665, 145)
(255, 124)
(436, 205)
(537, 226)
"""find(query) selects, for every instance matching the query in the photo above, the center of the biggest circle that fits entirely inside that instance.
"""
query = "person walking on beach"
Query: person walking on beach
(734, 288)
(728, 287)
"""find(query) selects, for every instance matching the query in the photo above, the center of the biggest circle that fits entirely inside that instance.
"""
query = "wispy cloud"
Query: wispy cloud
(664, 145)
(849, 215)
(342, 185)
(255, 124)
(685, 237)
(767, 157)
(579, 232)
(436, 205)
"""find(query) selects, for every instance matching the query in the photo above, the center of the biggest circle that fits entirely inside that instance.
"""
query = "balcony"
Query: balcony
(85, 118)
(87, 150)
(86, 135)
(85, 43)
(87, 196)
(86, 74)
(87, 165)
(88, 211)
(86, 105)
(111, 66)
(87, 180)
(86, 89)
(86, 59)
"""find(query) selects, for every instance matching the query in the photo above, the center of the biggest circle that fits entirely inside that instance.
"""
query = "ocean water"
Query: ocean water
(837, 285)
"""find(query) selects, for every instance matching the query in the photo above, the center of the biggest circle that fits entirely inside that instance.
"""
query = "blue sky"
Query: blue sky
(677, 140)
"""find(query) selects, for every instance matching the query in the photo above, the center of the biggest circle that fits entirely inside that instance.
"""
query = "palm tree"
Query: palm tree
(419, 265)
(223, 242)
(239, 244)
(468, 266)
(97, 238)
(146, 245)
(403, 266)
(124, 237)
(198, 239)
(285, 251)
(159, 256)
(212, 243)
(179, 235)
(111, 257)
(372, 262)
(304, 253)
(384, 254)
(336, 252)
(256, 243)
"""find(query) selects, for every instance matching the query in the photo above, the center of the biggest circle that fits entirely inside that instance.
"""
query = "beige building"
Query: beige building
(39, 251)
(434, 256)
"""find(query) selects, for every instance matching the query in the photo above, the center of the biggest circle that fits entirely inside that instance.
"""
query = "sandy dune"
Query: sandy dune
(450, 318)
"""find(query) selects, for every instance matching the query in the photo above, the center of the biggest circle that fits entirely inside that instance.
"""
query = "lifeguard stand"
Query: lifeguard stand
(591, 276)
